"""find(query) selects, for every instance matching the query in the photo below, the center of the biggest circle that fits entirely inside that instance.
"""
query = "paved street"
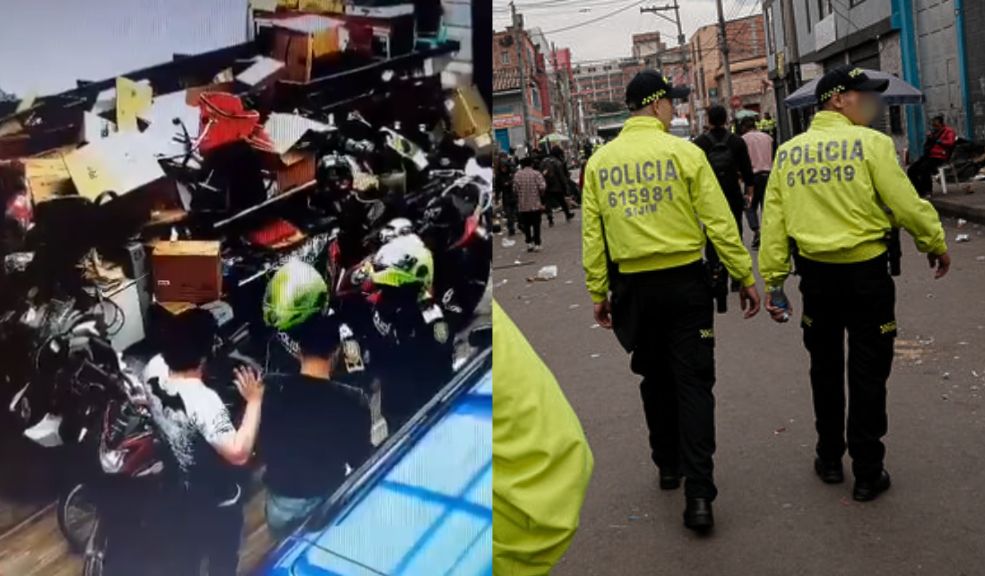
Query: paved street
(773, 515)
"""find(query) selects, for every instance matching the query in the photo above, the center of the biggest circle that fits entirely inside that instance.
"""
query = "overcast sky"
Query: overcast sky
(612, 36)
(45, 45)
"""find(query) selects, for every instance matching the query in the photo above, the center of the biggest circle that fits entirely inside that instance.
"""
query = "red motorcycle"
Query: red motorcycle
(131, 465)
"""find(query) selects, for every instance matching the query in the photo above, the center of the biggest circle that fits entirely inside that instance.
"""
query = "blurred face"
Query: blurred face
(937, 124)
(859, 107)
(663, 109)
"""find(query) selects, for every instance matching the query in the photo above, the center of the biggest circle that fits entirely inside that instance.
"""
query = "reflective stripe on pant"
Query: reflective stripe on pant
(675, 355)
(858, 299)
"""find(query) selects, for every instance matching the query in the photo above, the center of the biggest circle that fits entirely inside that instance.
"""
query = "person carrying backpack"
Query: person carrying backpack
(729, 158)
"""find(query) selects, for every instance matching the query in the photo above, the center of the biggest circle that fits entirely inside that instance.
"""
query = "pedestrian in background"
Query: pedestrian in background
(503, 180)
(829, 191)
(760, 147)
(729, 158)
(529, 187)
(937, 151)
(647, 194)
(555, 172)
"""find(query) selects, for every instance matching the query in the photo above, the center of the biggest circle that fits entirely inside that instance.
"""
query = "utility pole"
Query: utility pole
(520, 49)
(723, 46)
(685, 55)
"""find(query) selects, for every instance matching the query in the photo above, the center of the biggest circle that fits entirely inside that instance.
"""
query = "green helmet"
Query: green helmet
(294, 294)
(403, 261)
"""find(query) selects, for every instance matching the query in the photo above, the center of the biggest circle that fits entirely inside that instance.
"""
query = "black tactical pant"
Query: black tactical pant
(675, 355)
(922, 173)
(858, 299)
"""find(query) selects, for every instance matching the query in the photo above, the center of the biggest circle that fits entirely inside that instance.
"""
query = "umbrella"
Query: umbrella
(554, 137)
(898, 91)
(745, 113)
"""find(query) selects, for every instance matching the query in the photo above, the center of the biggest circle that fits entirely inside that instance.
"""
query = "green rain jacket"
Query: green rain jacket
(541, 460)
(829, 191)
(653, 191)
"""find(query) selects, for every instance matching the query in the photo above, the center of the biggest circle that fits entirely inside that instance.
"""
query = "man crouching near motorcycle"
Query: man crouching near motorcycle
(205, 508)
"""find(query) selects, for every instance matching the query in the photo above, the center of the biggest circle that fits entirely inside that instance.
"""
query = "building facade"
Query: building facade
(747, 63)
(509, 125)
(924, 42)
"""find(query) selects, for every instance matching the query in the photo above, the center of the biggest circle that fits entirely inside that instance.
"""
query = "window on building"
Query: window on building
(807, 12)
(535, 97)
(504, 58)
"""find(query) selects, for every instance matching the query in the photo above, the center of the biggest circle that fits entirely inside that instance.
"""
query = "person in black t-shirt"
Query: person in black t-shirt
(728, 156)
(314, 431)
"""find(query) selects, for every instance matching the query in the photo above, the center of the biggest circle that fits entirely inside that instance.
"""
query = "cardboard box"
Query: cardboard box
(47, 178)
(293, 169)
(391, 26)
(299, 42)
(187, 271)
(469, 115)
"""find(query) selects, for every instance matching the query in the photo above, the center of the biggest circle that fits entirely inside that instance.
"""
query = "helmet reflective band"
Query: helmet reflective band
(294, 294)
(403, 261)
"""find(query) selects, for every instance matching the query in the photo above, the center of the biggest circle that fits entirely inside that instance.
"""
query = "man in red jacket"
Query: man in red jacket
(936, 152)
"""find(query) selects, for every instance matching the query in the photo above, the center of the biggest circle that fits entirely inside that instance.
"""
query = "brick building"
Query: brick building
(508, 121)
(748, 65)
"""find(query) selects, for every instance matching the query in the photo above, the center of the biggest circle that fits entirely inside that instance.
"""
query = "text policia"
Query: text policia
(640, 200)
(834, 159)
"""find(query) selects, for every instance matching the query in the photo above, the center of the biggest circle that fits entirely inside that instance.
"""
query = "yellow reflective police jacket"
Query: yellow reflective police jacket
(652, 191)
(541, 459)
(830, 189)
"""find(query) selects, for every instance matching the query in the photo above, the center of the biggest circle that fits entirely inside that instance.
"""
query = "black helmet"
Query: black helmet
(334, 176)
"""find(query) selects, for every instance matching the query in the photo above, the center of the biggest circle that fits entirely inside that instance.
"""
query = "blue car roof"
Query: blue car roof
(429, 513)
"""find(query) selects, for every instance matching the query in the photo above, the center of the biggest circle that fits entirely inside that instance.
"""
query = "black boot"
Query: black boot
(866, 491)
(829, 472)
(670, 480)
(698, 515)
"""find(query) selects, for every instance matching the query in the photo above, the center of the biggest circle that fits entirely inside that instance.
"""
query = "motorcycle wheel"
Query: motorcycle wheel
(95, 549)
(77, 517)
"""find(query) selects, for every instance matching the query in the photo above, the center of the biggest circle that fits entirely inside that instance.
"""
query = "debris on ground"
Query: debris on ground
(507, 243)
(780, 430)
(961, 222)
(946, 376)
(595, 355)
(547, 273)
(961, 238)
(573, 306)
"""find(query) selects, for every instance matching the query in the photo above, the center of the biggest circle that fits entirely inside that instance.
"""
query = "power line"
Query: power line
(570, 7)
(593, 20)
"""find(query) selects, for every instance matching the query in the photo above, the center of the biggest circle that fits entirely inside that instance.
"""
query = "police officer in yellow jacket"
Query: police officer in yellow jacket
(837, 190)
(541, 460)
(646, 195)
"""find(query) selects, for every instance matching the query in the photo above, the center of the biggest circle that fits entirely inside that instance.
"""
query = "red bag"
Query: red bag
(223, 119)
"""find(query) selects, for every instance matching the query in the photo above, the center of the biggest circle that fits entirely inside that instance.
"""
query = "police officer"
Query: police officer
(647, 194)
(829, 192)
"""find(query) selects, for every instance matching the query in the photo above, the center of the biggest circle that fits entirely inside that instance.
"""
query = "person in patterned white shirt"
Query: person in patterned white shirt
(529, 186)
(207, 508)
